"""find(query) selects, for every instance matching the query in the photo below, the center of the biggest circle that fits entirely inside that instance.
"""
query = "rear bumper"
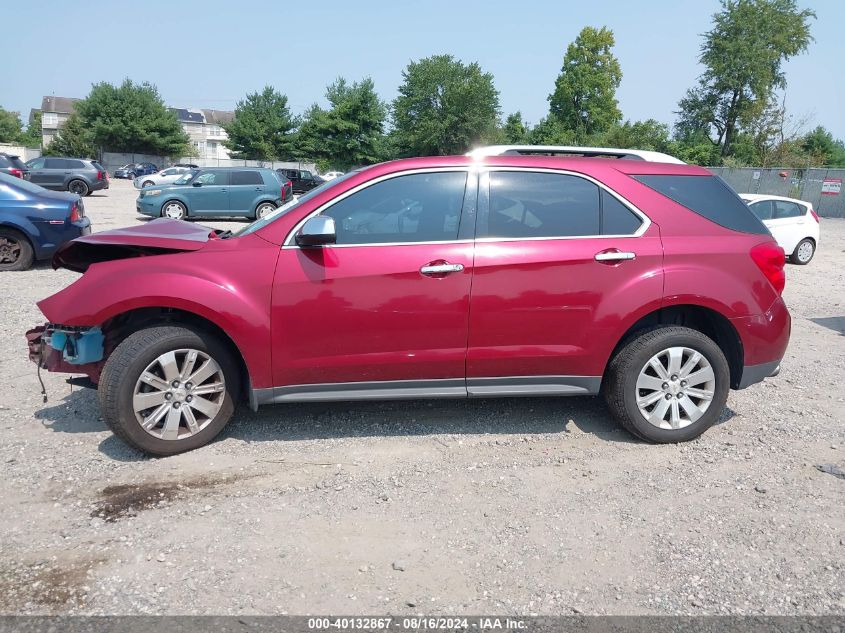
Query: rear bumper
(752, 374)
(99, 185)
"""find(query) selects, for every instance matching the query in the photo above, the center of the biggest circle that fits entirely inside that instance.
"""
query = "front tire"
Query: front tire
(804, 252)
(668, 384)
(174, 210)
(147, 183)
(79, 187)
(168, 389)
(15, 250)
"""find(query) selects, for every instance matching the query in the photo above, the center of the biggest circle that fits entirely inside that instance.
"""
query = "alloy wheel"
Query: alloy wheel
(10, 250)
(675, 387)
(805, 252)
(179, 394)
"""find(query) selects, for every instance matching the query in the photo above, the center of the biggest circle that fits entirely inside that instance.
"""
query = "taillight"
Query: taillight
(815, 215)
(75, 215)
(771, 260)
(17, 173)
(101, 175)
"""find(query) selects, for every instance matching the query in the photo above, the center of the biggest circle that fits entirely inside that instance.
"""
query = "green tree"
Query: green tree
(74, 139)
(350, 132)
(649, 135)
(550, 131)
(584, 99)
(444, 107)
(10, 126)
(742, 55)
(32, 136)
(131, 118)
(262, 128)
(515, 130)
(823, 148)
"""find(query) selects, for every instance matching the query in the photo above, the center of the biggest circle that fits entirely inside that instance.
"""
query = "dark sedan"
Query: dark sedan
(133, 170)
(34, 222)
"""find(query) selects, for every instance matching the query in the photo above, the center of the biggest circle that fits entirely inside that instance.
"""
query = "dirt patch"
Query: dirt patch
(126, 500)
(51, 584)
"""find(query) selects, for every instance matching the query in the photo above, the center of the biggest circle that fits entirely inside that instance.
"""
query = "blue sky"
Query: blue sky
(210, 54)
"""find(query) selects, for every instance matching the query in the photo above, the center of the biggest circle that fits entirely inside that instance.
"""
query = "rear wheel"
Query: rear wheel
(668, 384)
(263, 209)
(79, 187)
(804, 252)
(174, 210)
(166, 390)
(15, 250)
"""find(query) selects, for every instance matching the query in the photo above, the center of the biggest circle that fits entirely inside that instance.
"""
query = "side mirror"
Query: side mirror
(317, 231)
(197, 183)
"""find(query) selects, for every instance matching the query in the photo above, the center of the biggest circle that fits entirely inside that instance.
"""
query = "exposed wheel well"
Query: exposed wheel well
(119, 327)
(707, 321)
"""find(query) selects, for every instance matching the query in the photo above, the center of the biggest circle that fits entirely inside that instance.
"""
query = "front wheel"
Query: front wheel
(147, 183)
(667, 385)
(167, 390)
(804, 252)
(174, 210)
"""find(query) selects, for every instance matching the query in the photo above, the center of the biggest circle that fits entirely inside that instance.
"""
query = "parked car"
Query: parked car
(188, 165)
(331, 175)
(134, 170)
(77, 175)
(14, 166)
(793, 223)
(650, 283)
(301, 180)
(235, 191)
(165, 176)
(34, 222)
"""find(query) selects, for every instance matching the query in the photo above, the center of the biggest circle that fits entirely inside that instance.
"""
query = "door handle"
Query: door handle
(614, 256)
(441, 269)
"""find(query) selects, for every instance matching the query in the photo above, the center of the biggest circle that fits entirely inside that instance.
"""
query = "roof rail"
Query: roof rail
(565, 150)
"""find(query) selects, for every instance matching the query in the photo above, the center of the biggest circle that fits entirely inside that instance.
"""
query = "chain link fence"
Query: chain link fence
(821, 187)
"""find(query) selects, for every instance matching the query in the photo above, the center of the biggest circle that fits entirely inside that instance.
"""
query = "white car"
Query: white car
(163, 177)
(793, 223)
(331, 175)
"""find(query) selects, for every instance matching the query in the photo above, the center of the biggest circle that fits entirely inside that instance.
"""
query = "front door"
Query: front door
(211, 195)
(388, 302)
(558, 263)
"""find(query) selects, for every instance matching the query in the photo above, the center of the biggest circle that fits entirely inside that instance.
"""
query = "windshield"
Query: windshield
(293, 204)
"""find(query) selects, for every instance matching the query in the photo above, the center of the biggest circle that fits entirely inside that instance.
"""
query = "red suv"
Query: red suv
(650, 283)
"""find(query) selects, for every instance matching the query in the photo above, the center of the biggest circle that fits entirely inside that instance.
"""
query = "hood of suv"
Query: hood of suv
(157, 237)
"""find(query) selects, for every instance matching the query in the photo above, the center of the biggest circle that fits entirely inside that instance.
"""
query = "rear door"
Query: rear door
(559, 262)
(245, 186)
(788, 224)
(209, 192)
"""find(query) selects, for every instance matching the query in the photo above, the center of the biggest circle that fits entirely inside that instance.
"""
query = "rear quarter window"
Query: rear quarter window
(709, 197)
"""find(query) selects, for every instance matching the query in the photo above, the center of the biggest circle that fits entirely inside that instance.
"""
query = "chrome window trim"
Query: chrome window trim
(646, 221)
(290, 243)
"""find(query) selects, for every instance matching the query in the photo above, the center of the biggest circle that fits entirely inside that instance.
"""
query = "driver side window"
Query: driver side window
(413, 208)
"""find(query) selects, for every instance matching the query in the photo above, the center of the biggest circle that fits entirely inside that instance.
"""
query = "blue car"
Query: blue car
(34, 222)
(250, 192)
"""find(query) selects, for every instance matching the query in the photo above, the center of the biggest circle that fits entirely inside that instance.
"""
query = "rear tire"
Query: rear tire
(803, 253)
(15, 250)
(683, 397)
(79, 187)
(139, 354)
(263, 209)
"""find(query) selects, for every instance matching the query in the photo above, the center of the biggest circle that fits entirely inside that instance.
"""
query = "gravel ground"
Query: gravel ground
(507, 506)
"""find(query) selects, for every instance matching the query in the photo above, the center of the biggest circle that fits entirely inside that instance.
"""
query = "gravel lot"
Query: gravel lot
(506, 506)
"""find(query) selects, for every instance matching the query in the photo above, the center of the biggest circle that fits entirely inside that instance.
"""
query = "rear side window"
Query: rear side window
(246, 178)
(530, 204)
(97, 166)
(74, 164)
(784, 209)
(5, 162)
(709, 197)
(616, 218)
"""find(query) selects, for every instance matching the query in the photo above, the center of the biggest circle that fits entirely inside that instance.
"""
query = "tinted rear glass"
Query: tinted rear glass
(709, 197)
(245, 178)
(5, 162)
